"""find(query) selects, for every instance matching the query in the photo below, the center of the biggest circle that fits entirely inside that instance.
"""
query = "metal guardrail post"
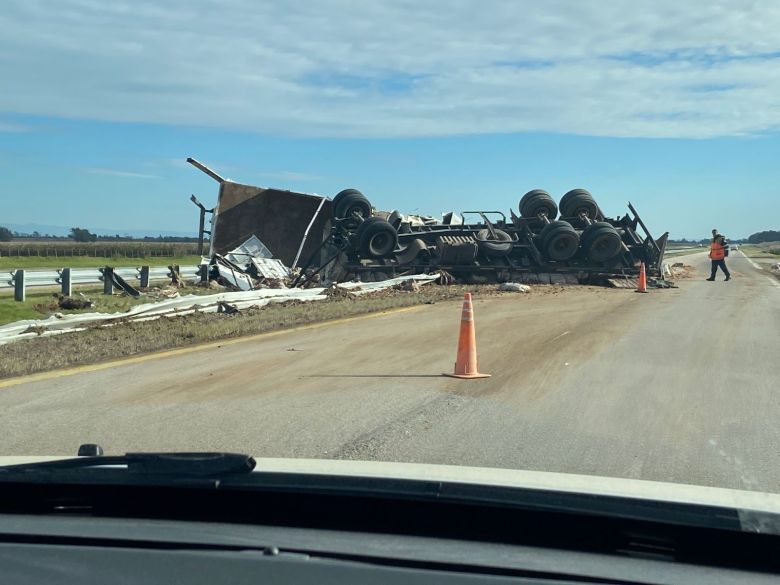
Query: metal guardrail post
(174, 274)
(66, 281)
(144, 276)
(19, 286)
(108, 281)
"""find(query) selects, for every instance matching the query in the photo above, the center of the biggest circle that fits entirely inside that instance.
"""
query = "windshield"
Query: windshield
(522, 236)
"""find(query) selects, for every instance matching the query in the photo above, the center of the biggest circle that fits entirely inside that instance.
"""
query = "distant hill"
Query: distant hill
(62, 231)
(763, 237)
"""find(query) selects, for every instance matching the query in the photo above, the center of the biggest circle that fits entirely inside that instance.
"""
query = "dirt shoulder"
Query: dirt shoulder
(98, 344)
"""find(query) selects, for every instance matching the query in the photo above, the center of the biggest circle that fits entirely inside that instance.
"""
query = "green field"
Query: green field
(32, 262)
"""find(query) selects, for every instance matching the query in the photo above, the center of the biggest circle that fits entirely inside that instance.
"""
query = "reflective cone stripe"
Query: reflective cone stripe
(466, 361)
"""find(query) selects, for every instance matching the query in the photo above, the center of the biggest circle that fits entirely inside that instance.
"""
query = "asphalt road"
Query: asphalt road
(676, 385)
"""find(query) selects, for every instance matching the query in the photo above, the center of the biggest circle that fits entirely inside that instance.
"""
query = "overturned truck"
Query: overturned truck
(548, 242)
(346, 238)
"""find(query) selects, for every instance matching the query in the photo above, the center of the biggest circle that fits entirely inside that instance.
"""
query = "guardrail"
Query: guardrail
(66, 278)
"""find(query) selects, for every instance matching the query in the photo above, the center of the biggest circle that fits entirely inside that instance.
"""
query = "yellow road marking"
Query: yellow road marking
(184, 350)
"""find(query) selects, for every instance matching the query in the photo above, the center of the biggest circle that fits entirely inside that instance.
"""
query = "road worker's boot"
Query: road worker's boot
(711, 279)
(727, 278)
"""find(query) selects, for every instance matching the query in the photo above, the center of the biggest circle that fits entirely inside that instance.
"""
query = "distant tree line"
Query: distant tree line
(767, 236)
(78, 234)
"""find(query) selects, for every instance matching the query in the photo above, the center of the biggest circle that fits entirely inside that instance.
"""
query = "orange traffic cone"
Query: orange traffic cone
(642, 282)
(466, 363)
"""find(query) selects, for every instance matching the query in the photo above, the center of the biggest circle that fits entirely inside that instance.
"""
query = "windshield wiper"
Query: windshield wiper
(176, 464)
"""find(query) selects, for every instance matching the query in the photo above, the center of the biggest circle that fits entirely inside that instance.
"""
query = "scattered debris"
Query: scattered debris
(409, 285)
(337, 292)
(176, 279)
(626, 282)
(660, 283)
(680, 270)
(269, 268)
(444, 278)
(37, 329)
(122, 284)
(276, 283)
(169, 292)
(73, 304)
(209, 284)
(227, 308)
(232, 275)
(514, 287)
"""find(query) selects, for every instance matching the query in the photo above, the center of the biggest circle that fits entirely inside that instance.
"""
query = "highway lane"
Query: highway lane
(675, 385)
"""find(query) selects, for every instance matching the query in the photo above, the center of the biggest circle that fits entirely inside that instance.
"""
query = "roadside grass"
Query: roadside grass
(40, 304)
(105, 343)
(33, 262)
(770, 250)
(675, 253)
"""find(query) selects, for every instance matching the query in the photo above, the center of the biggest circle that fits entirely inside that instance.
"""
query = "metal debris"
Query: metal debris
(269, 268)
(514, 287)
(227, 308)
(251, 248)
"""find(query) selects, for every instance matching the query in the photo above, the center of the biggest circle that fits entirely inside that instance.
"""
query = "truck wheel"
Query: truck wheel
(559, 240)
(341, 194)
(376, 238)
(349, 204)
(601, 242)
(536, 201)
(578, 201)
(494, 248)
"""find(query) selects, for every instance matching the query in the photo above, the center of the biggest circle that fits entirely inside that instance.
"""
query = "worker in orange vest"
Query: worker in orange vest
(719, 249)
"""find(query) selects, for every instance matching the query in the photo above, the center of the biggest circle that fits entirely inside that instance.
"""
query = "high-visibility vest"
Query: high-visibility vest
(717, 251)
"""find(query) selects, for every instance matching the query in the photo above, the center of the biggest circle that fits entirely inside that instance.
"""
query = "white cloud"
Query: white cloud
(118, 173)
(13, 127)
(400, 68)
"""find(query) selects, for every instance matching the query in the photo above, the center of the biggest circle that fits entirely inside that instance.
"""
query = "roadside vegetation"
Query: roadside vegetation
(767, 250)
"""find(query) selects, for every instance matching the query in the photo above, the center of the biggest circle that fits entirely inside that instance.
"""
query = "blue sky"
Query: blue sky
(427, 106)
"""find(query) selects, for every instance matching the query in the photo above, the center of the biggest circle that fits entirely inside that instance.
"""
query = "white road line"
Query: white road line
(756, 266)
(561, 335)
(771, 279)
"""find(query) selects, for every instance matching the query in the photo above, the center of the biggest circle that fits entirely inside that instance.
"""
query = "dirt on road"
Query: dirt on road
(98, 344)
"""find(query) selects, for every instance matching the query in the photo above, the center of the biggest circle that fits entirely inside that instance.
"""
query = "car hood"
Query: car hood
(509, 478)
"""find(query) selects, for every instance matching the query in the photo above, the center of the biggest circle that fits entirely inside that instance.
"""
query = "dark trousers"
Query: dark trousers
(722, 264)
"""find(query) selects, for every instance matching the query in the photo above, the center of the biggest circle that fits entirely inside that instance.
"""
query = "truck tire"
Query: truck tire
(559, 241)
(601, 242)
(578, 201)
(349, 201)
(494, 249)
(395, 218)
(376, 238)
(536, 201)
